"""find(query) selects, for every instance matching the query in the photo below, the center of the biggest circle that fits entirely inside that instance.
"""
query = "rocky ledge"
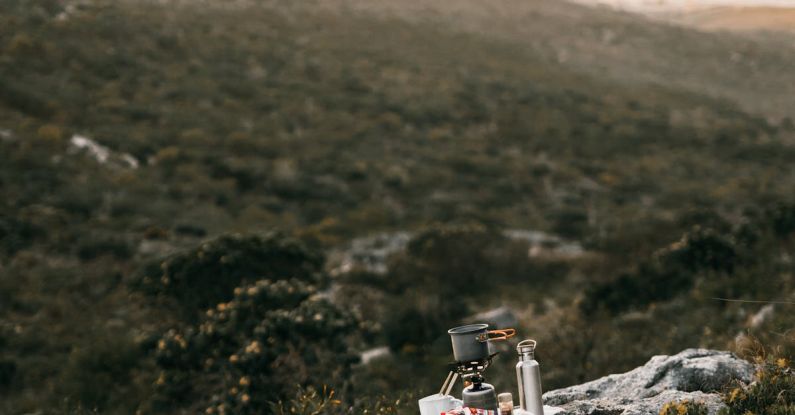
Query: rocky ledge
(694, 374)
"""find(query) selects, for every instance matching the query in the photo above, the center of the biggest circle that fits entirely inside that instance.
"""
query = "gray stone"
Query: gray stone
(497, 318)
(694, 374)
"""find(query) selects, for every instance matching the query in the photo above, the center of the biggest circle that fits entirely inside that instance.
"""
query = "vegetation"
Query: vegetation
(684, 408)
(773, 392)
(210, 273)
(177, 260)
(254, 349)
(715, 252)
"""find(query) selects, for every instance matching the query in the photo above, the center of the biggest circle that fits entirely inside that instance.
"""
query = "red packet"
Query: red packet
(470, 411)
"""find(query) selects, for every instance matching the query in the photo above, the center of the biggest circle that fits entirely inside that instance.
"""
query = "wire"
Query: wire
(753, 301)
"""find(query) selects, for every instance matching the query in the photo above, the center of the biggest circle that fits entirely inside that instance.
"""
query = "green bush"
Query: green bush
(748, 260)
(207, 275)
(448, 259)
(92, 246)
(411, 326)
(671, 270)
(570, 222)
(7, 371)
(109, 361)
(444, 266)
(16, 234)
(782, 219)
(772, 393)
(309, 401)
(253, 350)
(684, 408)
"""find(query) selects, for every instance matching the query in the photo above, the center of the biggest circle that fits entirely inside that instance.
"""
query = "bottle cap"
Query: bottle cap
(526, 346)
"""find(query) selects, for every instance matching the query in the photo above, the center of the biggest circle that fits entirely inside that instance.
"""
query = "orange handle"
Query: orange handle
(502, 334)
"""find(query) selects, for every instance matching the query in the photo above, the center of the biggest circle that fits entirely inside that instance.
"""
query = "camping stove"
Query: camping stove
(477, 393)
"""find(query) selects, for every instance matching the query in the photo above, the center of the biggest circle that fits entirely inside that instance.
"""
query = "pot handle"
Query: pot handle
(501, 334)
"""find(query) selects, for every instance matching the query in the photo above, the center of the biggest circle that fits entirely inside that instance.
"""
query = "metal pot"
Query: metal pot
(471, 342)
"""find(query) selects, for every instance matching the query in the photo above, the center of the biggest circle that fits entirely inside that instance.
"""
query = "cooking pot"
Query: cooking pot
(471, 342)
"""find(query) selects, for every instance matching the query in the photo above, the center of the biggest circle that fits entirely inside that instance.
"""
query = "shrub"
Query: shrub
(684, 408)
(773, 392)
(253, 350)
(704, 248)
(108, 361)
(308, 401)
(16, 234)
(411, 325)
(447, 257)
(207, 275)
(93, 246)
(50, 133)
(187, 229)
(667, 273)
(570, 222)
(782, 219)
(7, 371)
(652, 281)
(311, 401)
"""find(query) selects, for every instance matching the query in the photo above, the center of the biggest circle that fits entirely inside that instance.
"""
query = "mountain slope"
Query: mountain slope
(746, 19)
(332, 119)
(754, 72)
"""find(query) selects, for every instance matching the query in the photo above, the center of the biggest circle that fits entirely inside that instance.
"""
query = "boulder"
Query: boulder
(497, 318)
(694, 374)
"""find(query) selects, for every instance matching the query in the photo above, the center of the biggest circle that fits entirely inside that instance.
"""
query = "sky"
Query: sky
(686, 4)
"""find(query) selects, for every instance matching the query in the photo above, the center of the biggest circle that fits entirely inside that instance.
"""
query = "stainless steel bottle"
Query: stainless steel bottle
(528, 376)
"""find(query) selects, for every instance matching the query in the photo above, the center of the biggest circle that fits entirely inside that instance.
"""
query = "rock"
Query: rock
(543, 244)
(497, 318)
(759, 318)
(694, 374)
(369, 253)
(6, 135)
(368, 356)
(101, 153)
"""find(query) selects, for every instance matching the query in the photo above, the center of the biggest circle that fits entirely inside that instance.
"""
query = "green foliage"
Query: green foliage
(570, 223)
(254, 349)
(110, 362)
(703, 249)
(454, 259)
(7, 371)
(448, 258)
(311, 401)
(444, 266)
(684, 408)
(729, 255)
(410, 326)
(308, 402)
(773, 391)
(92, 246)
(781, 218)
(16, 234)
(207, 275)
(665, 274)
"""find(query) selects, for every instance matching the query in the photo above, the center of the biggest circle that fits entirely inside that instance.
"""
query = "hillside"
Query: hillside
(627, 48)
(743, 19)
(134, 130)
(747, 16)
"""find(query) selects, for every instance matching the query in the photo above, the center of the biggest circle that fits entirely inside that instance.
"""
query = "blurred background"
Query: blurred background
(216, 206)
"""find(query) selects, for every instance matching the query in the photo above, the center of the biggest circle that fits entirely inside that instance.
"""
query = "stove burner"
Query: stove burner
(469, 369)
